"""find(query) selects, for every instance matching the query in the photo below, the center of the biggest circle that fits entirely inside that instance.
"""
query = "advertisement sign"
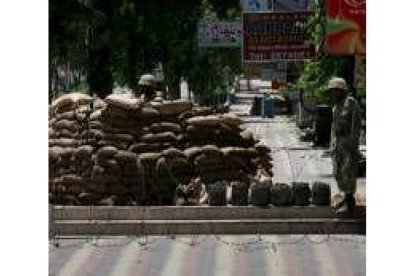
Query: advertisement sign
(346, 27)
(257, 5)
(269, 37)
(292, 5)
(219, 34)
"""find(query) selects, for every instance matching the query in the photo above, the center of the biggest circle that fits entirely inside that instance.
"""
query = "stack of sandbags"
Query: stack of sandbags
(67, 161)
(120, 150)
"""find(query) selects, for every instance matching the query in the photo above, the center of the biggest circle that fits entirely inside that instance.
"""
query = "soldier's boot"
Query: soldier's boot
(347, 206)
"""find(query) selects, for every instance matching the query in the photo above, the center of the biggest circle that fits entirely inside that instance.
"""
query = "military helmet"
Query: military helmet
(337, 83)
(147, 79)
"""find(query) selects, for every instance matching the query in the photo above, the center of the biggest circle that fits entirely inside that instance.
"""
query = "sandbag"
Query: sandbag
(261, 148)
(63, 142)
(70, 100)
(66, 124)
(186, 115)
(210, 120)
(98, 104)
(126, 156)
(173, 153)
(159, 137)
(260, 194)
(166, 126)
(64, 133)
(106, 152)
(301, 193)
(68, 115)
(112, 112)
(217, 193)
(281, 194)
(121, 137)
(231, 119)
(147, 112)
(145, 147)
(321, 194)
(202, 111)
(173, 107)
(123, 101)
(192, 152)
(239, 193)
(211, 150)
(238, 151)
(84, 151)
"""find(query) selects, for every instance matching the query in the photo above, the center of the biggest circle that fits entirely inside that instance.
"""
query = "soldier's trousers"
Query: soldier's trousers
(345, 169)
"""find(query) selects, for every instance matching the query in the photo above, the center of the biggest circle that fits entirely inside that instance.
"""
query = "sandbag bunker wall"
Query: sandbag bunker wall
(264, 193)
(121, 151)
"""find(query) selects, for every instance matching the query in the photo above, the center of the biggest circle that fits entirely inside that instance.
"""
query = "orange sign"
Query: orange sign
(346, 27)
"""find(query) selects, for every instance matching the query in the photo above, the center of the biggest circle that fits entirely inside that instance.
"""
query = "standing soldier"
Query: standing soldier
(344, 142)
(146, 87)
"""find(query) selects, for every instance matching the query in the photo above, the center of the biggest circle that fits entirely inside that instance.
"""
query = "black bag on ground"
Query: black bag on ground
(260, 194)
(239, 193)
(301, 193)
(321, 194)
(217, 194)
(281, 194)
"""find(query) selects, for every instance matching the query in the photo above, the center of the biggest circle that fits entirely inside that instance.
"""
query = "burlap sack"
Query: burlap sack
(66, 124)
(237, 151)
(186, 115)
(106, 152)
(126, 156)
(173, 153)
(145, 147)
(166, 126)
(159, 137)
(119, 145)
(121, 137)
(63, 142)
(150, 156)
(147, 112)
(211, 150)
(71, 100)
(173, 107)
(68, 115)
(210, 120)
(202, 111)
(192, 152)
(98, 104)
(231, 119)
(84, 151)
(64, 133)
(123, 101)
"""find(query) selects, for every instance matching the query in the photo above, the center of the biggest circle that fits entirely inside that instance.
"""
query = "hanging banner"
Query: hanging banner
(219, 34)
(257, 5)
(269, 37)
(346, 27)
(291, 5)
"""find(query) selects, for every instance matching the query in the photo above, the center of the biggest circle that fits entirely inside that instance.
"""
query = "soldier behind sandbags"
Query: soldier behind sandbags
(146, 87)
(346, 124)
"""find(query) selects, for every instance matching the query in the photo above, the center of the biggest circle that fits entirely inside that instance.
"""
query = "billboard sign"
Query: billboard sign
(219, 34)
(346, 27)
(257, 5)
(269, 37)
(292, 5)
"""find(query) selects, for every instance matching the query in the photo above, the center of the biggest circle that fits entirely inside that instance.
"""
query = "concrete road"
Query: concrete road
(209, 255)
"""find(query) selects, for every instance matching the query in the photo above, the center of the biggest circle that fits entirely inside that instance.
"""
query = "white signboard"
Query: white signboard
(257, 5)
(292, 5)
(219, 34)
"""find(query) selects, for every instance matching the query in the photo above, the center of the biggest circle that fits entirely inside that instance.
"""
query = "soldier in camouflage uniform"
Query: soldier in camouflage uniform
(146, 87)
(346, 126)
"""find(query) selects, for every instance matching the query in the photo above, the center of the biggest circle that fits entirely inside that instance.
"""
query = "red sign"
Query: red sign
(275, 36)
(346, 27)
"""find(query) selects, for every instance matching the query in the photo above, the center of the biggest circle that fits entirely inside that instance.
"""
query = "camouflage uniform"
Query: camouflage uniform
(345, 143)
